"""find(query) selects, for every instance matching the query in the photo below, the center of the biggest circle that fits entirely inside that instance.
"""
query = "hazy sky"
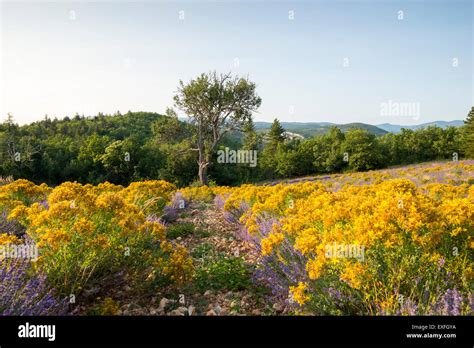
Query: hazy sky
(335, 61)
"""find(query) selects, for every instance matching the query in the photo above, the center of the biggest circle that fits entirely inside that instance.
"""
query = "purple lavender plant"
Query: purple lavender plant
(449, 304)
(408, 307)
(171, 211)
(12, 227)
(153, 218)
(22, 294)
(233, 215)
(279, 276)
(271, 272)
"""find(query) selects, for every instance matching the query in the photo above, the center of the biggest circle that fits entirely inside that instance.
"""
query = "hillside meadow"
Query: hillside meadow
(389, 242)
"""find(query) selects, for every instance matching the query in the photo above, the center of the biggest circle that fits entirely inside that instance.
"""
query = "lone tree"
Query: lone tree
(469, 135)
(216, 104)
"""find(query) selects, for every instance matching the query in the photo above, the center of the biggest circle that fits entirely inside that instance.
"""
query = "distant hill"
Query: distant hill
(394, 128)
(310, 129)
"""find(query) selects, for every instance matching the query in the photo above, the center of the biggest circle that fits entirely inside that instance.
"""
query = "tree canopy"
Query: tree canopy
(216, 104)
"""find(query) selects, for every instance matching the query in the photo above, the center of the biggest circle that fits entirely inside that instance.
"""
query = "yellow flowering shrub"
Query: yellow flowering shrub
(86, 233)
(366, 237)
(200, 193)
(151, 196)
(178, 266)
(21, 192)
(6, 239)
(298, 293)
(107, 307)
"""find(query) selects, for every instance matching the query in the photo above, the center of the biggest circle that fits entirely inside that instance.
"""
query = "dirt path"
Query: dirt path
(213, 240)
(223, 284)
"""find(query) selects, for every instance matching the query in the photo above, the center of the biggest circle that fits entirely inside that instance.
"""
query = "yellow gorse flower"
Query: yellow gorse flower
(299, 293)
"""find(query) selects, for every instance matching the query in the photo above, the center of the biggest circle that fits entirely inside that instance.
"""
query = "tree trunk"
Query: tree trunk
(203, 173)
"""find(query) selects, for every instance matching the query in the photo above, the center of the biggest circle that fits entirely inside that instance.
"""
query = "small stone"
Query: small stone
(208, 293)
(256, 312)
(211, 313)
(217, 309)
(92, 292)
(176, 312)
(278, 307)
(183, 310)
(191, 310)
(229, 294)
(163, 303)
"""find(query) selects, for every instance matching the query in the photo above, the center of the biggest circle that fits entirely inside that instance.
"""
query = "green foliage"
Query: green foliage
(361, 149)
(181, 229)
(216, 104)
(275, 135)
(327, 149)
(203, 250)
(119, 159)
(139, 146)
(468, 135)
(224, 273)
(268, 160)
(294, 158)
(365, 151)
(413, 146)
(94, 149)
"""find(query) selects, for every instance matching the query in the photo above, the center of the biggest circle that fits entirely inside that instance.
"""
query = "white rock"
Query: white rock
(163, 303)
(229, 294)
(277, 307)
(191, 310)
(176, 312)
(183, 310)
(217, 309)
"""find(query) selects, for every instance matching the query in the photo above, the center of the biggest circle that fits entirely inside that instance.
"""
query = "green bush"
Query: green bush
(203, 250)
(181, 229)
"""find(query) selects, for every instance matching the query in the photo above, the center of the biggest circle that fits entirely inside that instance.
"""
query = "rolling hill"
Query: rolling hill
(310, 129)
(394, 128)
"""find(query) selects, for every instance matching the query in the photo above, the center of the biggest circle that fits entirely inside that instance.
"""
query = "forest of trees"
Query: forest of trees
(142, 145)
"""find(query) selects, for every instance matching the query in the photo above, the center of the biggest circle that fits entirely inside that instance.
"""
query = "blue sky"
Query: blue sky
(334, 61)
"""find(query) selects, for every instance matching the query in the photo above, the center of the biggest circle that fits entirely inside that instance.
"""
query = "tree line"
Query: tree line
(122, 148)
(139, 145)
